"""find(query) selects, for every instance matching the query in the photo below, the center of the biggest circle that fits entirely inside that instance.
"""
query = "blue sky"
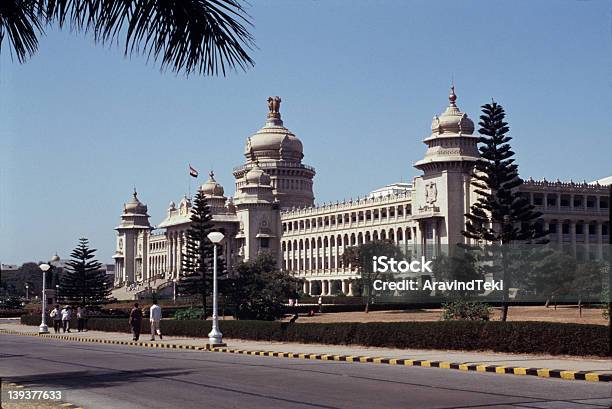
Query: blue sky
(80, 124)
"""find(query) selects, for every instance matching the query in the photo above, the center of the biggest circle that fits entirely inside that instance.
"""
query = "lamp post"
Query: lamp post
(215, 336)
(43, 329)
(27, 286)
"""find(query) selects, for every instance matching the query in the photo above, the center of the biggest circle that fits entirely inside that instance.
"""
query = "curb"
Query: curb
(498, 369)
(60, 403)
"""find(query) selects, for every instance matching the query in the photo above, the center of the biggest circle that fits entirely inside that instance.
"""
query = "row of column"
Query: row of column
(571, 201)
(347, 286)
(176, 243)
(598, 242)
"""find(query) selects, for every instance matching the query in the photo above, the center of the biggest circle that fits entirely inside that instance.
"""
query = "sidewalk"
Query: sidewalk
(479, 361)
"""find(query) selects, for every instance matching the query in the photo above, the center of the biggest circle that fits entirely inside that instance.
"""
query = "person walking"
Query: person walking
(56, 314)
(155, 315)
(66, 317)
(81, 318)
(135, 321)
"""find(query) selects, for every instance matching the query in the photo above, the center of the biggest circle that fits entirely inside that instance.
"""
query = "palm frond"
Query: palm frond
(205, 36)
(20, 21)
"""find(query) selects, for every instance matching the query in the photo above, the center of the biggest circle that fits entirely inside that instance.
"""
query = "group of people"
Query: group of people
(61, 318)
(135, 320)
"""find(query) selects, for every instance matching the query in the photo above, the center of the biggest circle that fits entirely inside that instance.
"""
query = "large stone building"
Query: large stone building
(273, 210)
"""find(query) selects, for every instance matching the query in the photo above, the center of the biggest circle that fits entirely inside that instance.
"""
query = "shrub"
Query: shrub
(516, 337)
(466, 310)
(189, 314)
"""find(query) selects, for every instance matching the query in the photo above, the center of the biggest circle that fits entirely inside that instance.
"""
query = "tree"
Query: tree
(500, 215)
(259, 289)
(361, 257)
(83, 282)
(196, 276)
(460, 266)
(205, 36)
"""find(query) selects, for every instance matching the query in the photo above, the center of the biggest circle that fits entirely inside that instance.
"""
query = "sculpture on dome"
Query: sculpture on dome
(274, 105)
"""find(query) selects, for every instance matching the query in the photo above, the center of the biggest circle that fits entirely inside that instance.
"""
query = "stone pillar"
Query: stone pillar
(599, 233)
(434, 237)
(572, 201)
(545, 201)
(350, 288)
(573, 234)
(531, 198)
(585, 230)
(324, 287)
(306, 287)
(345, 285)
(329, 287)
(559, 202)
(560, 232)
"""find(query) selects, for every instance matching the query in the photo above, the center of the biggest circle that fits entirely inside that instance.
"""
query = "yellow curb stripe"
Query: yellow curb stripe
(540, 372)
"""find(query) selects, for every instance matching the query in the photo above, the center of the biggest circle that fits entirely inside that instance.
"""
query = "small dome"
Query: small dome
(134, 205)
(452, 121)
(274, 141)
(172, 206)
(257, 176)
(55, 258)
(211, 187)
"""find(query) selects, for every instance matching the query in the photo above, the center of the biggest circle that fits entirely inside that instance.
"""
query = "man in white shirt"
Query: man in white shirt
(66, 317)
(155, 315)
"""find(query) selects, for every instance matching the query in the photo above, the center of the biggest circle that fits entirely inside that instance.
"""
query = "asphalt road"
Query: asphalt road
(123, 377)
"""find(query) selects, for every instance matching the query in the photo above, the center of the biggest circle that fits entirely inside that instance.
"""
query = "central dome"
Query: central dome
(274, 141)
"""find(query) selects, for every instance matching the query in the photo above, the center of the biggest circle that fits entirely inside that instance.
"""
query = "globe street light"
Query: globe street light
(43, 329)
(27, 286)
(215, 336)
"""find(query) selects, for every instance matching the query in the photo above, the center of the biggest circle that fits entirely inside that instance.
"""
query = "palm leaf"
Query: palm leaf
(204, 36)
(20, 21)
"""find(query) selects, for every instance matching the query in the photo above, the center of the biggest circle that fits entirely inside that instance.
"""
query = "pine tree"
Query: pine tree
(196, 276)
(500, 215)
(83, 282)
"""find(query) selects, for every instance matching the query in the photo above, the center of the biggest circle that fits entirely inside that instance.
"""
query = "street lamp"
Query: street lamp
(43, 329)
(27, 286)
(215, 336)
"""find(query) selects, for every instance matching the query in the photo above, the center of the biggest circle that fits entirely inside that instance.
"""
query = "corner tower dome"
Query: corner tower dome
(211, 187)
(452, 121)
(135, 206)
(451, 144)
(273, 141)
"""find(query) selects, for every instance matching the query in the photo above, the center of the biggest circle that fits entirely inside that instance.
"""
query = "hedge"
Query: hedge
(517, 337)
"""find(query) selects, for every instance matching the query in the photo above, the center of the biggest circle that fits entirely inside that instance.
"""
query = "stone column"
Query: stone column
(531, 198)
(350, 288)
(324, 285)
(559, 202)
(572, 202)
(545, 201)
(434, 237)
(306, 287)
(345, 285)
(599, 233)
(585, 230)
(560, 231)
(573, 235)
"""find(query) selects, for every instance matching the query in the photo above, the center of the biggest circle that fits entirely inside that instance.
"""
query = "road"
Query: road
(124, 377)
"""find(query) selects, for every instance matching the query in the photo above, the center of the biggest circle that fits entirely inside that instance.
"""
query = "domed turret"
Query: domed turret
(211, 187)
(451, 143)
(452, 121)
(135, 206)
(274, 141)
(256, 176)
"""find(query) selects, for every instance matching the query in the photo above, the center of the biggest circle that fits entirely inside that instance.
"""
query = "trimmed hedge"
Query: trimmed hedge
(518, 337)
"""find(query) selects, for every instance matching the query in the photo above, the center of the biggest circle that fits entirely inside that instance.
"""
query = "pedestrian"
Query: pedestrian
(56, 314)
(81, 318)
(135, 321)
(155, 315)
(66, 317)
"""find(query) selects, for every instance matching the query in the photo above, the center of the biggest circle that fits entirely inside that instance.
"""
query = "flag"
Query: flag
(193, 172)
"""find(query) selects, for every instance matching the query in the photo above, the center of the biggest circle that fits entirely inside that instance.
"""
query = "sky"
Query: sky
(81, 125)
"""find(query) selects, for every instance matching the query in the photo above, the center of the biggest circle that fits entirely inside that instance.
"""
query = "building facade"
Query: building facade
(273, 210)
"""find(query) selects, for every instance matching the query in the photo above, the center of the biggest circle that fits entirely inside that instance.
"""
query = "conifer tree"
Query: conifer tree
(196, 278)
(83, 282)
(500, 215)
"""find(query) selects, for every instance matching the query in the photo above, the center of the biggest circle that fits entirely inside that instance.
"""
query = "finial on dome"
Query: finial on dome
(452, 97)
(211, 174)
(135, 193)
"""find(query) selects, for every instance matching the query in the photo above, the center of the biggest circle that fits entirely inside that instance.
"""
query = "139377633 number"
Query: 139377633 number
(34, 395)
